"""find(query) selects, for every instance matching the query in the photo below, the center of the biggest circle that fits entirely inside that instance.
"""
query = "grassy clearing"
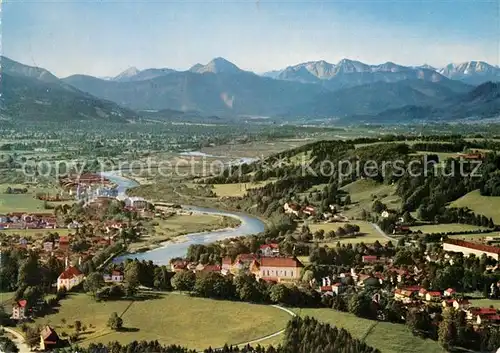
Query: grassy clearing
(370, 235)
(442, 155)
(387, 337)
(24, 202)
(476, 237)
(363, 192)
(237, 189)
(35, 232)
(6, 297)
(177, 225)
(485, 303)
(170, 319)
(449, 227)
(485, 205)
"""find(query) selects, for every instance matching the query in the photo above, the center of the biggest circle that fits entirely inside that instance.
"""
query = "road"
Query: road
(291, 313)
(382, 233)
(18, 340)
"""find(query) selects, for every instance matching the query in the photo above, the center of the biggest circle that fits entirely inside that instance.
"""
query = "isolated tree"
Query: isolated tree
(115, 322)
(378, 206)
(78, 326)
(93, 283)
(132, 275)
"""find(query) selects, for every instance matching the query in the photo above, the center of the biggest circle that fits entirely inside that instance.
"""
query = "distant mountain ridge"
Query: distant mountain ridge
(313, 89)
(32, 93)
(473, 72)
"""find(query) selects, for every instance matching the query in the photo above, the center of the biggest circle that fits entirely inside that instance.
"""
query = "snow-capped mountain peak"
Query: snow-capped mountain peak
(346, 66)
(216, 65)
(128, 73)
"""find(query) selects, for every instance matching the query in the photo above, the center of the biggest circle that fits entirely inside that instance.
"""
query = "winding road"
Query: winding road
(258, 340)
(382, 233)
(18, 339)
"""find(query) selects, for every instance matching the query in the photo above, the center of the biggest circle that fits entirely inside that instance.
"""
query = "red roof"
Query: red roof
(450, 291)
(279, 262)
(211, 268)
(475, 246)
(48, 335)
(22, 303)
(116, 273)
(422, 290)
(63, 239)
(227, 261)
(369, 258)
(326, 288)
(267, 246)
(483, 311)
(71, 272)
(434, 294)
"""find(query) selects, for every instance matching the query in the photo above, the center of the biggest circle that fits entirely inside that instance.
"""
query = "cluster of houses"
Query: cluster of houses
(267, 265)
(415, 296)
(21, 220)
(70, 278)
(310, 211)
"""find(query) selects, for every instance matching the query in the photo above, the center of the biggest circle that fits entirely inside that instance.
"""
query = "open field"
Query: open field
(387, 337)
(177, 225)
(448, 227)
(442, 155)
(170, 319)
(24, 202)
(6, 297)
(237, 189)
(36, 232)
(363, 192)
(485, 303)
(369, 234)
(485, 205)
(476, 237)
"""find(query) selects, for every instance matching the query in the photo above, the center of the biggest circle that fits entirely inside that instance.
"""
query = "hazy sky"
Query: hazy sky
(105, 37)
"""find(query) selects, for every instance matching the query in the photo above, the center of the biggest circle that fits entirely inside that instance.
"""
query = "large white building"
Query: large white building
(468, 248)
(70, 278)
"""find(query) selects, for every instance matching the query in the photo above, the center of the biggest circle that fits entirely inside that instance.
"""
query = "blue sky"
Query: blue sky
(105, 37)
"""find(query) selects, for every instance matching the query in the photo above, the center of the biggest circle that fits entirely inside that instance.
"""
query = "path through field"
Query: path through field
(18, 340)
(382, 233)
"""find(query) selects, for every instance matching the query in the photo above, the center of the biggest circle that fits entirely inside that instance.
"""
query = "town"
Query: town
(249, 177)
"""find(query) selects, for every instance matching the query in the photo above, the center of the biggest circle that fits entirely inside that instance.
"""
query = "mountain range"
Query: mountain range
(32, 93)
(313, 89)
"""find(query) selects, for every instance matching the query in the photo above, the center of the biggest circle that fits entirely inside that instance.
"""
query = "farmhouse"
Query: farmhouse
(48, 339)
(136, 202)
(19, 310)
(433, 296)
(114, 277)
(277, 268)
(70, 278)
(241, 263)
(270, 249)
(404, 295)
(291, 208)
(468, 248)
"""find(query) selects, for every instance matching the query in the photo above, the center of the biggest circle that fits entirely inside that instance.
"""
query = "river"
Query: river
(163, 254)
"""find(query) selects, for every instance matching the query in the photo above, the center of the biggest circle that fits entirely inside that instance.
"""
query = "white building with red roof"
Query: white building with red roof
(19, 310)
(70, 278)
(277, 268)
(272, 249)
